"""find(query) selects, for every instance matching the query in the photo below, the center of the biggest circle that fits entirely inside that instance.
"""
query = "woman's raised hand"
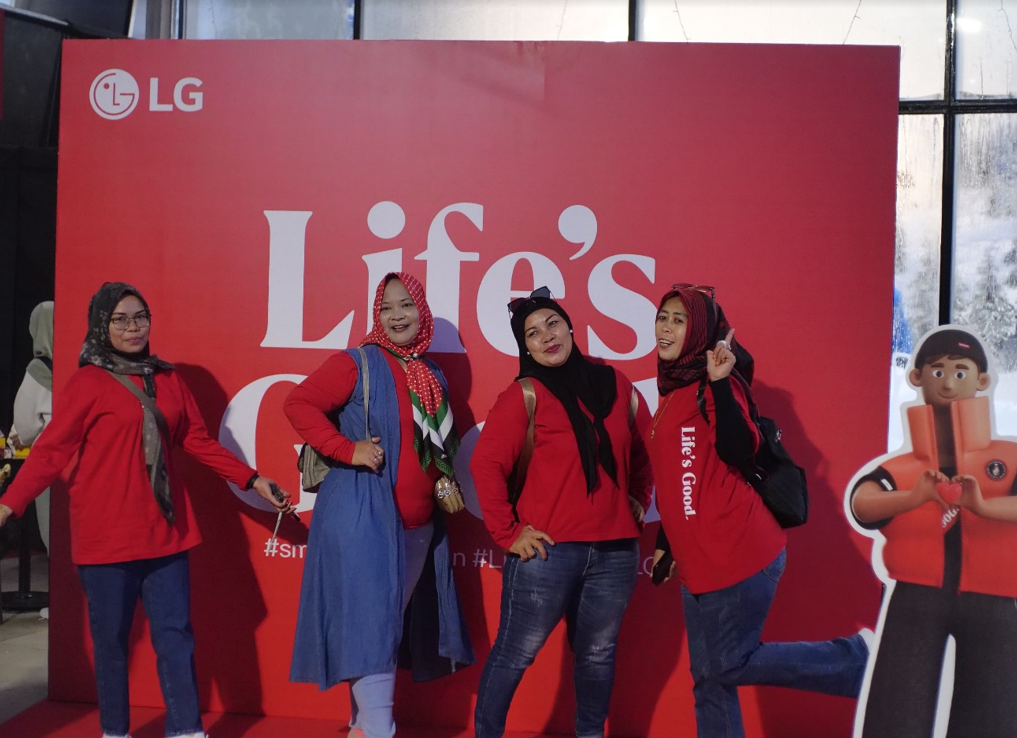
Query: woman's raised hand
(528, 544)
(721, 360)
(369, 454)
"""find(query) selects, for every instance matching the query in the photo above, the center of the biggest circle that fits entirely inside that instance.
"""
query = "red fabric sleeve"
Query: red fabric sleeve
(498, 448)
(193, 436)
(640, 472)
(313, 403)
(55, 448)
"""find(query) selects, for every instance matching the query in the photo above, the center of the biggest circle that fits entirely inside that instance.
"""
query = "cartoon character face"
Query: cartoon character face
(948, 378)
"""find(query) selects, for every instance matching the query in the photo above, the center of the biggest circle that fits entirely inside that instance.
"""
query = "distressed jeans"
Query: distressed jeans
(724, 628)
(164, 586)
(589, 584)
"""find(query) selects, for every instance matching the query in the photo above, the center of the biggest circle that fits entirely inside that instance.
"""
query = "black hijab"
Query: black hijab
(578, 379)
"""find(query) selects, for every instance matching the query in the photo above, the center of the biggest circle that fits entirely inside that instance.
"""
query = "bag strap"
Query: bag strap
(366, 374)
(523, 462)
(147, 402)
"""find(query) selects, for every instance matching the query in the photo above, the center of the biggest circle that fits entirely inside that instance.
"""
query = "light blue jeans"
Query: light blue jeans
(589, 584)
(724, 628)
(371, 697)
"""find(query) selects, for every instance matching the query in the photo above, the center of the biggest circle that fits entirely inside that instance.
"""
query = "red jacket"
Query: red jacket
(914, 540)
(719, 529)
(114, 515)
(554, 498)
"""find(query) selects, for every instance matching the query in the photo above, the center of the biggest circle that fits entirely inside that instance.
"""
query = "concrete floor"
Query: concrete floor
(24, 644)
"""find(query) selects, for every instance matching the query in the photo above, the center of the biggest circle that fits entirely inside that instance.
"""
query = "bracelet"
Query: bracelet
(252, 480)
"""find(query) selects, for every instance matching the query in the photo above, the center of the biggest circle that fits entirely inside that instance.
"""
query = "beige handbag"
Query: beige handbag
(314, 466)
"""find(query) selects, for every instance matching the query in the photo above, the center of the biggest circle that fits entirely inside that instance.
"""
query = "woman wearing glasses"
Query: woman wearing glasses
(124, 413)
(377, 547)
(727, 547)
(571, 526)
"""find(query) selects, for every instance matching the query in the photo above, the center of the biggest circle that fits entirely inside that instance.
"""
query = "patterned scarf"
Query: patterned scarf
(98, 350)
(706, 326)
(434, 433)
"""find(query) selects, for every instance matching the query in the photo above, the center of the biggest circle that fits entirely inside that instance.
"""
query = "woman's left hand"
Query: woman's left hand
(721, 360)
(263, 486)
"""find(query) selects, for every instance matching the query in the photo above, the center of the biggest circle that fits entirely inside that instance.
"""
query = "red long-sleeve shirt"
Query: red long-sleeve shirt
(554, 498)
(114, 515)
(313, 404)
(718, 527)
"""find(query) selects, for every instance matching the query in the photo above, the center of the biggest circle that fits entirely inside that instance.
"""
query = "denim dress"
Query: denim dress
(350, 622)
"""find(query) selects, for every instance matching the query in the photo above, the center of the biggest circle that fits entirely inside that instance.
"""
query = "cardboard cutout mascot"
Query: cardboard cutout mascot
(942, 512)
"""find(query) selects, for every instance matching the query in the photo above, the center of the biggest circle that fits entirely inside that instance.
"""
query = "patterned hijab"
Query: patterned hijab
(706, 326)
(40, 325)
(434, 433)
(98, 350)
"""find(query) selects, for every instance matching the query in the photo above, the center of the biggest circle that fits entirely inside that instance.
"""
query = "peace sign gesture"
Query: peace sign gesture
(721, 360)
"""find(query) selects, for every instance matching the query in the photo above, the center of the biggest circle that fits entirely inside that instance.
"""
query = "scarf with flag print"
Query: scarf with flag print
(434, 433)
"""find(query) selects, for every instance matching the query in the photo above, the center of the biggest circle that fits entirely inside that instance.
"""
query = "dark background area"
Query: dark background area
(33, 33)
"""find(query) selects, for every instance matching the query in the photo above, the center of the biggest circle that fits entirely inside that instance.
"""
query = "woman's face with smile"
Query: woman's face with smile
(548, 338)
(399, 316)
(672, 322)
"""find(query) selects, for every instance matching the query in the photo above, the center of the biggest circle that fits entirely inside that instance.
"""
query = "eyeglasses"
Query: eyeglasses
(121, 322)
(540, 292)
(705, 289)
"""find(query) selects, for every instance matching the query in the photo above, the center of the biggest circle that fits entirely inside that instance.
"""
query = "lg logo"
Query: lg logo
(114, 95)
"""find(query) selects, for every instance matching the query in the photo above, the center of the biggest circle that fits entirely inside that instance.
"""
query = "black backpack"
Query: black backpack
(771, 472)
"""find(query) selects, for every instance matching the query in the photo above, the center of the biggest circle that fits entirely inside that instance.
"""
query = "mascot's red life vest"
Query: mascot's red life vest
(914, 540)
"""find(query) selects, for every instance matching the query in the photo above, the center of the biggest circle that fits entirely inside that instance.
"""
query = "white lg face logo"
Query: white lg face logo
(114, 94)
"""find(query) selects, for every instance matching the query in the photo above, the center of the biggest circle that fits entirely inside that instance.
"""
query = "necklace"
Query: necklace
(660, 413)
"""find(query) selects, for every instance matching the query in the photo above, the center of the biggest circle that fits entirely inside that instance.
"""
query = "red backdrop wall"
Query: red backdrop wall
(256, 191)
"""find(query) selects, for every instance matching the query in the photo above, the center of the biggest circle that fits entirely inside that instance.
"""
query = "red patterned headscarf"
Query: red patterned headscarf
(434, 434)
(706, 326)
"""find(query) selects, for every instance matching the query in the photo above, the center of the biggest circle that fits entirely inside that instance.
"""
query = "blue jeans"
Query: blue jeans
(589, 584)
(724, 628)
(164, 586)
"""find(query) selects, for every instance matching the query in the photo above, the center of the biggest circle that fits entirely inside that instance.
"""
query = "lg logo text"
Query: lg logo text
(114, 95)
